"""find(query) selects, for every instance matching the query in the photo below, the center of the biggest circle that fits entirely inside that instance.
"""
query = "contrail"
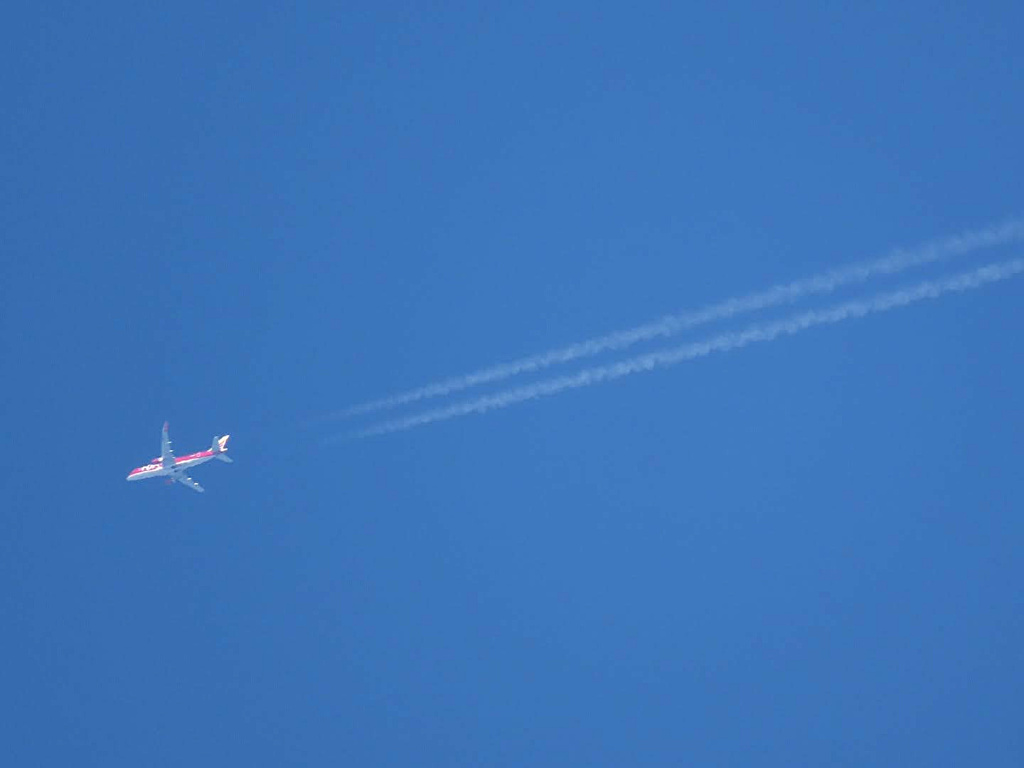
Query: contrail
(760, 332)
(897, 261)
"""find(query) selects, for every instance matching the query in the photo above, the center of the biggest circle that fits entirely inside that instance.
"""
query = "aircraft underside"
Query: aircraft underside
(175, 469)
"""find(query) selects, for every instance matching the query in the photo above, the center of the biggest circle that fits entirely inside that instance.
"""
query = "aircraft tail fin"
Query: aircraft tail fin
(220, 447)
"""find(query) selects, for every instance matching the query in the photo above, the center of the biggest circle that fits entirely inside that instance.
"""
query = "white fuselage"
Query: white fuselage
(156, 467)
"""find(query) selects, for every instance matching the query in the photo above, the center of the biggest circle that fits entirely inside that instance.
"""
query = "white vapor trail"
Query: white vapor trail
(897, 261)
(759, 332)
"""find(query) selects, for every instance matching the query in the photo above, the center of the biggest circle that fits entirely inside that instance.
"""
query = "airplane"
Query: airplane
(173, 468)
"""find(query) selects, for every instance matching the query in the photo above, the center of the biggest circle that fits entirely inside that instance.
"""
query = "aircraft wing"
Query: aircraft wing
(166, 454)
(188, 482)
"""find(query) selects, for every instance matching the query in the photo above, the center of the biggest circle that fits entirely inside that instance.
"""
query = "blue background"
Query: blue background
(245, 217)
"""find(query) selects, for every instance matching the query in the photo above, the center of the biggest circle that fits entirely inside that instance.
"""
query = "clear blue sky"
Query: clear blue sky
(242, 218)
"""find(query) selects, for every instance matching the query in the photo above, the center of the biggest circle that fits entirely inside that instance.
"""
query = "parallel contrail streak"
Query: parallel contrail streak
(897, 261)
(759, 332)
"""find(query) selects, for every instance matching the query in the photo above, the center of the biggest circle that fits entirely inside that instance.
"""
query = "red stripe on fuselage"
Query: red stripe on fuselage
(191, 456)
(157, 465)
